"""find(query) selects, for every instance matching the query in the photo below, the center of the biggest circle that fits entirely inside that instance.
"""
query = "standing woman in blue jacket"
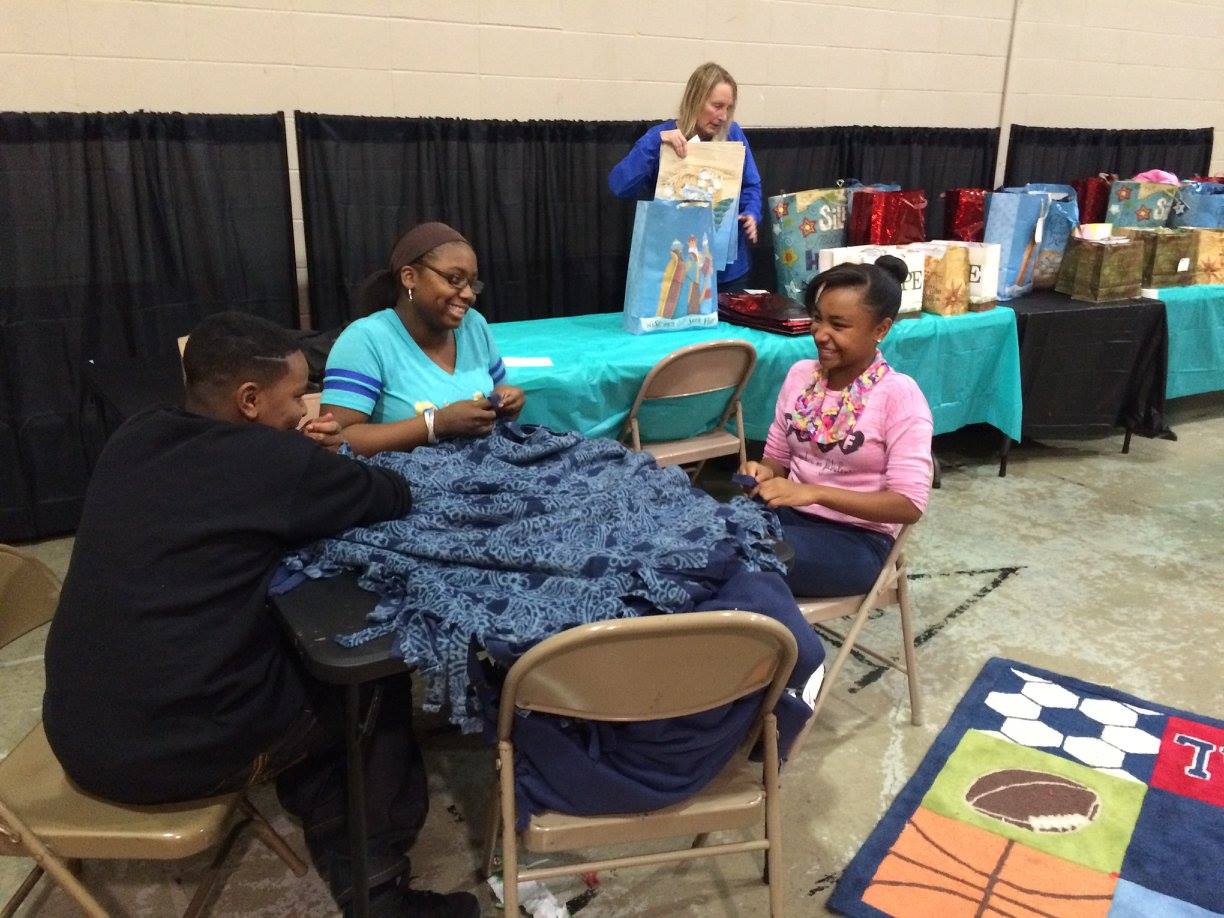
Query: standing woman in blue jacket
(706, 111)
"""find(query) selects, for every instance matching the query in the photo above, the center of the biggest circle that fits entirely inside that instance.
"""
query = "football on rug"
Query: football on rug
(1048, 796)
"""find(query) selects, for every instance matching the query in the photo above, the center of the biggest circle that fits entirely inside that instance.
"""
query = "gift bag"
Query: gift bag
(887, 218)
(1062, 216)
(1208, 256)
(1168, 255)
(965, 214)
(712, 171)
(983, 273)
(945, 284)
(1198, 204)
(1014, 223)
(804, 223)
(1093, 196)
(671, 283)
(915, 263)
(1134, 203)
(854, 186)
(1101, 270)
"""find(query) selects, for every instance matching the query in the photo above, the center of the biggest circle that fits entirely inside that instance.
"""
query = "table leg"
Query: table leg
(1003, 456)
(1126, 441)
(356, 801)
(936, 472)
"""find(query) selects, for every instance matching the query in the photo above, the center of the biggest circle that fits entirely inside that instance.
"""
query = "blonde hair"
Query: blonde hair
(700, 84)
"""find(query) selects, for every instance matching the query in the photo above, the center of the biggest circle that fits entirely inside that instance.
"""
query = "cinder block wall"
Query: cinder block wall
(1074, 63)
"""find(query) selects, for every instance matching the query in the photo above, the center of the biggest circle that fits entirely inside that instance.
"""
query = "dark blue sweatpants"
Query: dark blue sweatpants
(831, 559)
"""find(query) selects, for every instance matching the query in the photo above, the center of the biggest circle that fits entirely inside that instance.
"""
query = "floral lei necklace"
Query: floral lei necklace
(811, 421)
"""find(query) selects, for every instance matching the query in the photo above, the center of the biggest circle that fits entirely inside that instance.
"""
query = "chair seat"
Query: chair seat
(705, 446)
(733, 800)
(816, 611)
(74, 824)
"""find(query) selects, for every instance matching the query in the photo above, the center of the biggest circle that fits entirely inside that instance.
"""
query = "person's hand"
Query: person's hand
(750, 227)
(782, 492)
(675, 139)
(512, 401)
(324, 430)
(465, 418)
(758, 470)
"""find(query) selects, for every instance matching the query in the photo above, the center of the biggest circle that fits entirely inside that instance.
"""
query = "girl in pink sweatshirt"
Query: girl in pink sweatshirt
(848, 457)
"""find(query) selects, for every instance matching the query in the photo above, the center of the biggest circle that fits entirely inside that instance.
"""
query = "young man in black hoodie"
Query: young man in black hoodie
(167, 677)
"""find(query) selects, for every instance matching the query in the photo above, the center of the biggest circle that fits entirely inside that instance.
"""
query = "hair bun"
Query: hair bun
(894, 267)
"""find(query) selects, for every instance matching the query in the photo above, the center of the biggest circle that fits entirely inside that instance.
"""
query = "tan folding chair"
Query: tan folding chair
(45, 817)
(890, 588)
(312, 400)
(647, 669)
(698, 369)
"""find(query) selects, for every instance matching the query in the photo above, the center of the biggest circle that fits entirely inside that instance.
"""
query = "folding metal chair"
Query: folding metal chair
(697, 369)
(646, 669)
(44, 816)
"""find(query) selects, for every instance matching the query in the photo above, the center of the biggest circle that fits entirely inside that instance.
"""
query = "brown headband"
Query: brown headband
(420, 240)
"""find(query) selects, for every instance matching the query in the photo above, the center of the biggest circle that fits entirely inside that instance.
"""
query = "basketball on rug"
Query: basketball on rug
(1048, 796)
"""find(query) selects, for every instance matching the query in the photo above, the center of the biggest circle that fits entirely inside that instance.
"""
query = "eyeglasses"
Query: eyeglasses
(457, 280)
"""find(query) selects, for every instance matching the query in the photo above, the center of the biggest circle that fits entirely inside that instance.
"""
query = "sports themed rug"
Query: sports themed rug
(1048, 796)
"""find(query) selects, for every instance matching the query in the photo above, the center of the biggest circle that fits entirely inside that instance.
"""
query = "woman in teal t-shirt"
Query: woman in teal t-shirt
(421, 366)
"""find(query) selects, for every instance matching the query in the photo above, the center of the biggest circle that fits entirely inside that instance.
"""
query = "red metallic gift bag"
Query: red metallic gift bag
(964, 214)
(1093, 195)
(887, 218)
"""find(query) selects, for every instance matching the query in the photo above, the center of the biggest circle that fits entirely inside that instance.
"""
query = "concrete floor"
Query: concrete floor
(1084, 561)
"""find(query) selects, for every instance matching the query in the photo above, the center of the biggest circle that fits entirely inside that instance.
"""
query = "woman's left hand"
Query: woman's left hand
(782, 492)
(750, 227)
(512, 401)
(324, 430)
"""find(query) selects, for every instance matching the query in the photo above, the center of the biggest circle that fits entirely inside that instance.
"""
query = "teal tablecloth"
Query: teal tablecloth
(967, 366)
(1196, 338)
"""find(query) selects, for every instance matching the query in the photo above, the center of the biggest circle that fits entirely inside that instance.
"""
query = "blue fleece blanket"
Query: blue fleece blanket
(518, 535)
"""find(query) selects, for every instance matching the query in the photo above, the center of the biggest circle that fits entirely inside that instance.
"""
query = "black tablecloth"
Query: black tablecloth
(1088, 368)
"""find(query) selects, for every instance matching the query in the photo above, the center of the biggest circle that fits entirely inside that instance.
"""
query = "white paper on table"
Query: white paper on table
(527, 361)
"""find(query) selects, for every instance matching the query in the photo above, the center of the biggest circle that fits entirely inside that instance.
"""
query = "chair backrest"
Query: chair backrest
(29, 593)
(699, 369)
(635, 669)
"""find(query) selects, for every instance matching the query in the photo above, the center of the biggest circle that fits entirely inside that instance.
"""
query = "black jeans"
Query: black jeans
(310, 768)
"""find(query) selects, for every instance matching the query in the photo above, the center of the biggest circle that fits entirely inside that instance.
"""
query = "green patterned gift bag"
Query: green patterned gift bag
(1168, 255)
(1101, 270)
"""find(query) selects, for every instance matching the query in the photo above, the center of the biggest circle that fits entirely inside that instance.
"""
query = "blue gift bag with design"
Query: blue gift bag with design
(804, 223)
(1061, 218)
(671, 283)
(1014, 221)
(1134, 203)
(1198, 204)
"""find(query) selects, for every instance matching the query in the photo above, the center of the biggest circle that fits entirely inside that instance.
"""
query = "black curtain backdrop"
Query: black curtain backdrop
(1039, 154)
(119, 232)
(533, 197)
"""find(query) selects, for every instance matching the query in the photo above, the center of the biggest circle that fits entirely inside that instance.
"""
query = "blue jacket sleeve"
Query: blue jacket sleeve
(750, 187)
(633, 178)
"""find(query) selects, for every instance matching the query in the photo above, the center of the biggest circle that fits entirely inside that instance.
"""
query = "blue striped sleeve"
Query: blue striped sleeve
(352, 378)
(498, 372)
